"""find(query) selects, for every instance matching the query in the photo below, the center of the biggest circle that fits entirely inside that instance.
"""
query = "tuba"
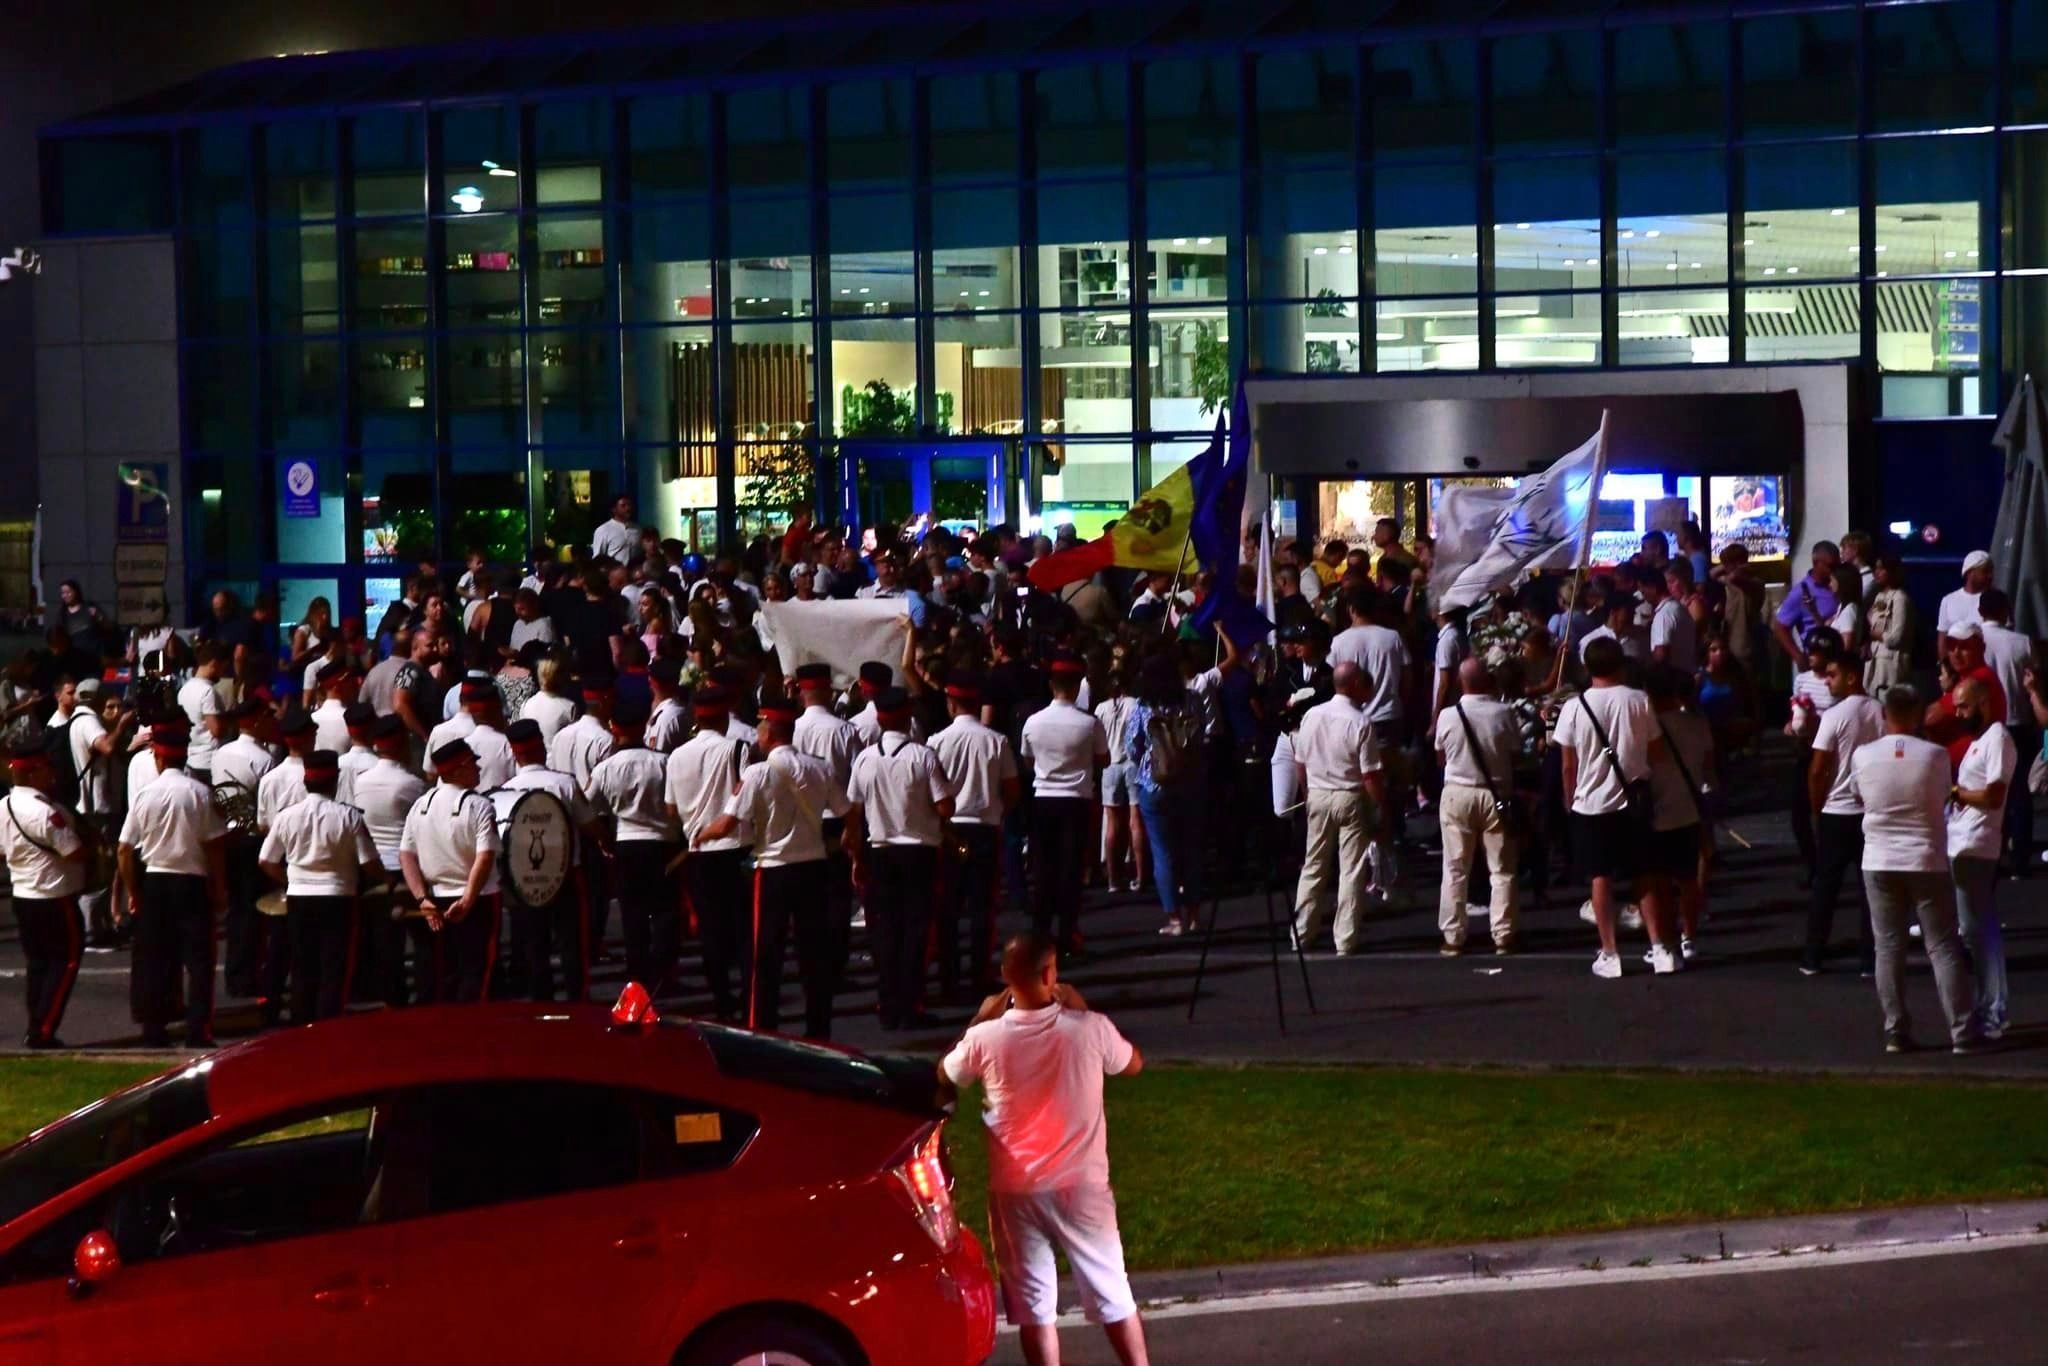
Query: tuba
(237, 807)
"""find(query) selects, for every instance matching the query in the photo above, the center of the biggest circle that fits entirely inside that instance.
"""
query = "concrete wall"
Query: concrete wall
(106, 381)
(1821, 508)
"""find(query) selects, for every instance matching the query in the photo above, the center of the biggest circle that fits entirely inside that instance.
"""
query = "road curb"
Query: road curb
(1751, 1240)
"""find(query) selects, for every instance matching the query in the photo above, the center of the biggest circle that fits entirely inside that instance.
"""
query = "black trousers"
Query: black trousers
(539, 932)
(322, 933)
(429, 954)
(838, 895)
(274, 960)
(1838, 858)
(244, 929)
(600, 882)
(52, 938)
(899, 917)
(650, 918)
(173, 931)
(722, 899)
(971, 888)
(380, 949)
(786, 898)
(468, 950)
(1059, 857)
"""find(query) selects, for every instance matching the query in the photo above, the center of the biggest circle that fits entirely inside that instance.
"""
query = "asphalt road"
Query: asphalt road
(1743, 1004)
(1970, 1306)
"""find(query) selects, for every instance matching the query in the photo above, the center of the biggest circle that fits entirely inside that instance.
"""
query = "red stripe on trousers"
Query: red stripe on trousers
(74, 949)
(753, 972)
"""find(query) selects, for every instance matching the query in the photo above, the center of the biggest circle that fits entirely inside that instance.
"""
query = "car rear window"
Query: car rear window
(900, 1083)
(102, 1135)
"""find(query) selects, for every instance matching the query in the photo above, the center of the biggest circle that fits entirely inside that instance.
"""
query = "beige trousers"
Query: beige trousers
(1339, 825)
(1469, 823)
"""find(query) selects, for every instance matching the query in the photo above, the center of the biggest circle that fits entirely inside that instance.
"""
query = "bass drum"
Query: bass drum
(539, 843)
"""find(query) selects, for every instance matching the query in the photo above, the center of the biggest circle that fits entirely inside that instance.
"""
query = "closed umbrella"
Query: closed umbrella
(2019, 545)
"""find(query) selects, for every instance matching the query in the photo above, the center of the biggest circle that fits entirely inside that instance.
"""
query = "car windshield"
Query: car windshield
(103, 1134)
(901, 1083)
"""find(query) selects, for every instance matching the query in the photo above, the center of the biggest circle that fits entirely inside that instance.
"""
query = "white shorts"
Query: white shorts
(1120, 784)
(1079, 1221)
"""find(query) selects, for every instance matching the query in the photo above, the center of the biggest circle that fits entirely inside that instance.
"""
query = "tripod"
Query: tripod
(1277, 833)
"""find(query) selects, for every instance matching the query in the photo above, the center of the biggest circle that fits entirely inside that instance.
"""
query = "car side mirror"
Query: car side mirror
(93, 1262)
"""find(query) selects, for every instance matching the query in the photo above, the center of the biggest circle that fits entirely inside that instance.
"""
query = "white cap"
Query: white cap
(1965, 630)
(1976, 559)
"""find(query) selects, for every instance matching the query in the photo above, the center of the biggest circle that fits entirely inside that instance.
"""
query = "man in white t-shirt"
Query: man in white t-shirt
(1608, 738)
(1853, 719)
(1339, 755)
(1976, 825)
(1383, 656)
(1477, 739)
(1902, 783)
(1040, 1055)
(1674, 639)
(1961, 605)
(1064, 746)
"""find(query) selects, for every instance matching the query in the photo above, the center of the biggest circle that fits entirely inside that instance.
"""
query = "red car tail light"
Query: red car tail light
(635, 1008)
(930, 1187)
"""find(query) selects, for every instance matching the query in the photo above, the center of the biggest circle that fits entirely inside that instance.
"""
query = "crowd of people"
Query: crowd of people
(1020, 747)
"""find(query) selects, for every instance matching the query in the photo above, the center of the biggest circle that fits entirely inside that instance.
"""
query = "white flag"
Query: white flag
(1544, 518)
(1266, 599)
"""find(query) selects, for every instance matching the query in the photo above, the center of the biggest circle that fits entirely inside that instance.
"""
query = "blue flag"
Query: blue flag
(1219, 490)
(1226, 609)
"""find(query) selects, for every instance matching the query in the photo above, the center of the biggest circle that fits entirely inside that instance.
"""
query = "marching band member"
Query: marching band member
(535, 927)
(901, 802)
(320, 850)
(670, 723)
(982, 769)
(449, 853)
(480, 725)
(701, 777)
(627, 789)
(172, 864)
(339, 685)
(239, 767)
(385, 793)
(46, 857)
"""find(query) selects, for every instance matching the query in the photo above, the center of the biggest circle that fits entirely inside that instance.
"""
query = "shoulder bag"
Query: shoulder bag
(1640, 803)
(1514, 821)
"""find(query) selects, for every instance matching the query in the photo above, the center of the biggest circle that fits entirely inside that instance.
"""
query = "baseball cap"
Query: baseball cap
(1976, 559)
(1965, 630)
(88, 687)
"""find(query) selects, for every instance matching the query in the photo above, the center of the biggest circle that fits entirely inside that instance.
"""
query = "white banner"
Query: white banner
(1541, 524)
(844, 633)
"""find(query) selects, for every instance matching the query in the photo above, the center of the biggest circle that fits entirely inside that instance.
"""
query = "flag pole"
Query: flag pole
(1166, 617)
(1585, 552)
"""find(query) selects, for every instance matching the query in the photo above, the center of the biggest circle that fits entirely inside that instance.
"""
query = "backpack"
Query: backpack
(65, 784)
(1171, 740)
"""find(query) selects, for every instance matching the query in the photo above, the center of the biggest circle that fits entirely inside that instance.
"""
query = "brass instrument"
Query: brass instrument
(237, 807)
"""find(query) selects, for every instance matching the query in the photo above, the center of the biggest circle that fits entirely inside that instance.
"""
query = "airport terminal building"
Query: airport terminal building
(307, 322)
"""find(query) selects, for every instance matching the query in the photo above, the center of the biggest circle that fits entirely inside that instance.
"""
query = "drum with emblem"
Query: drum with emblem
(538, 844)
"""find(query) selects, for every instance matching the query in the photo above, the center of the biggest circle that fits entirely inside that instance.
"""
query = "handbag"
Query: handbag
(1514, 821)
(1692, 787)
(1640, 804)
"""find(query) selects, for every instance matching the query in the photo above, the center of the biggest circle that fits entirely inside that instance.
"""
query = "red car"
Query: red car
(501, 1183)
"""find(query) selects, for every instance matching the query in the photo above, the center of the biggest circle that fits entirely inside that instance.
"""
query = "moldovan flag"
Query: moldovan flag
(1152, 535)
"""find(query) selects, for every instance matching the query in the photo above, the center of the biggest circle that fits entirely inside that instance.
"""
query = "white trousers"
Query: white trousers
(1027, 1228)
(1338, 833)
(1470, 824)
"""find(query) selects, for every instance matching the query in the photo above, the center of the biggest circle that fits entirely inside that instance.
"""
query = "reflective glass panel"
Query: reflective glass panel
(1674, 326)
(1427, 334)
(768, 138)
(668, 145)
(477, 147)
(974, 127)
(388, 155)
(1799, 215)
(1548, 329)
(571, 142)
(867, 126)
(1423, 233)
(1799, 74)
(299, 169)
(1785, 321)
(1932, 65)
(1308, 110)
(874, 377)
(977, 378)
(666, 275)
(569, 277)
(771, 261)
(1422, 105)
(1672, 219)
(1546, 91)
(1934, 205)
(1670, 84)
(1191, 115)
(1082, 114)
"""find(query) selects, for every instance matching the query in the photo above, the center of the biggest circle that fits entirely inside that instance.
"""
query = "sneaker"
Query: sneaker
(1607, 964)
(1994, 1030)
(1898, 1041)
(1631, 917)
(1173, 927)
(1809, 969)
(1504, 948)
(1586, 912)
(1914, 929)
(1662, 959)
(1688, 950)
(1976, 1043)
(1450, 950)
(859, 921)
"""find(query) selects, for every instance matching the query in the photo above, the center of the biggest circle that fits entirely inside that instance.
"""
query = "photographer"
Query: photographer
(92, 752)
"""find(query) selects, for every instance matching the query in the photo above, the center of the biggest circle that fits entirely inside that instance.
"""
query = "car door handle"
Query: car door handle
(641, 1239)
(349, 1294)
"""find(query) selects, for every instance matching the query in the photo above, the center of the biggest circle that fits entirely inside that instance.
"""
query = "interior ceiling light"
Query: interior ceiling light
(1878, 247)
(1524, 227)
(1653, 233)
(1203, 241)
(1791, 270)
(1751, 241)
(1628, 232)
(1322, 251)
(1836, 213)
(469, 199)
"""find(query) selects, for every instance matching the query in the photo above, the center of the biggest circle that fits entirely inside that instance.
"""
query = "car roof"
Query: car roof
(362, 1054)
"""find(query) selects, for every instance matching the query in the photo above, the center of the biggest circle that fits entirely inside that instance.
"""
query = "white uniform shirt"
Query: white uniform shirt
(1041, 1073)
(1992, 758)
(1956, 608)
(740, 732)
(550, 712)
(385, 793)
(1846, 727)
(1064, 745)
(322, 845)
(355, 761)
(1335, 743)
(494, 762)
(868, 726)
(282, 787)
(629, 787)
(1671, 627)
(668, 727)
(1625, 714)
(199, 699)
(242, 761)
(977, 761)
(781, 806)
(171, 823)
(620, 540)
(39, 838)
(1902, 782)
(699, 779)
(899, 784)
(330, 729)
(822, 735)
(142, 772)
(579, 747)
(1384, 657)
(1115, 715)
(1500, 740)
(95, 793)
(445, 830)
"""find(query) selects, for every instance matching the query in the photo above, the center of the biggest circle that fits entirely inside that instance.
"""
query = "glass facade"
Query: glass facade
(479, 321)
